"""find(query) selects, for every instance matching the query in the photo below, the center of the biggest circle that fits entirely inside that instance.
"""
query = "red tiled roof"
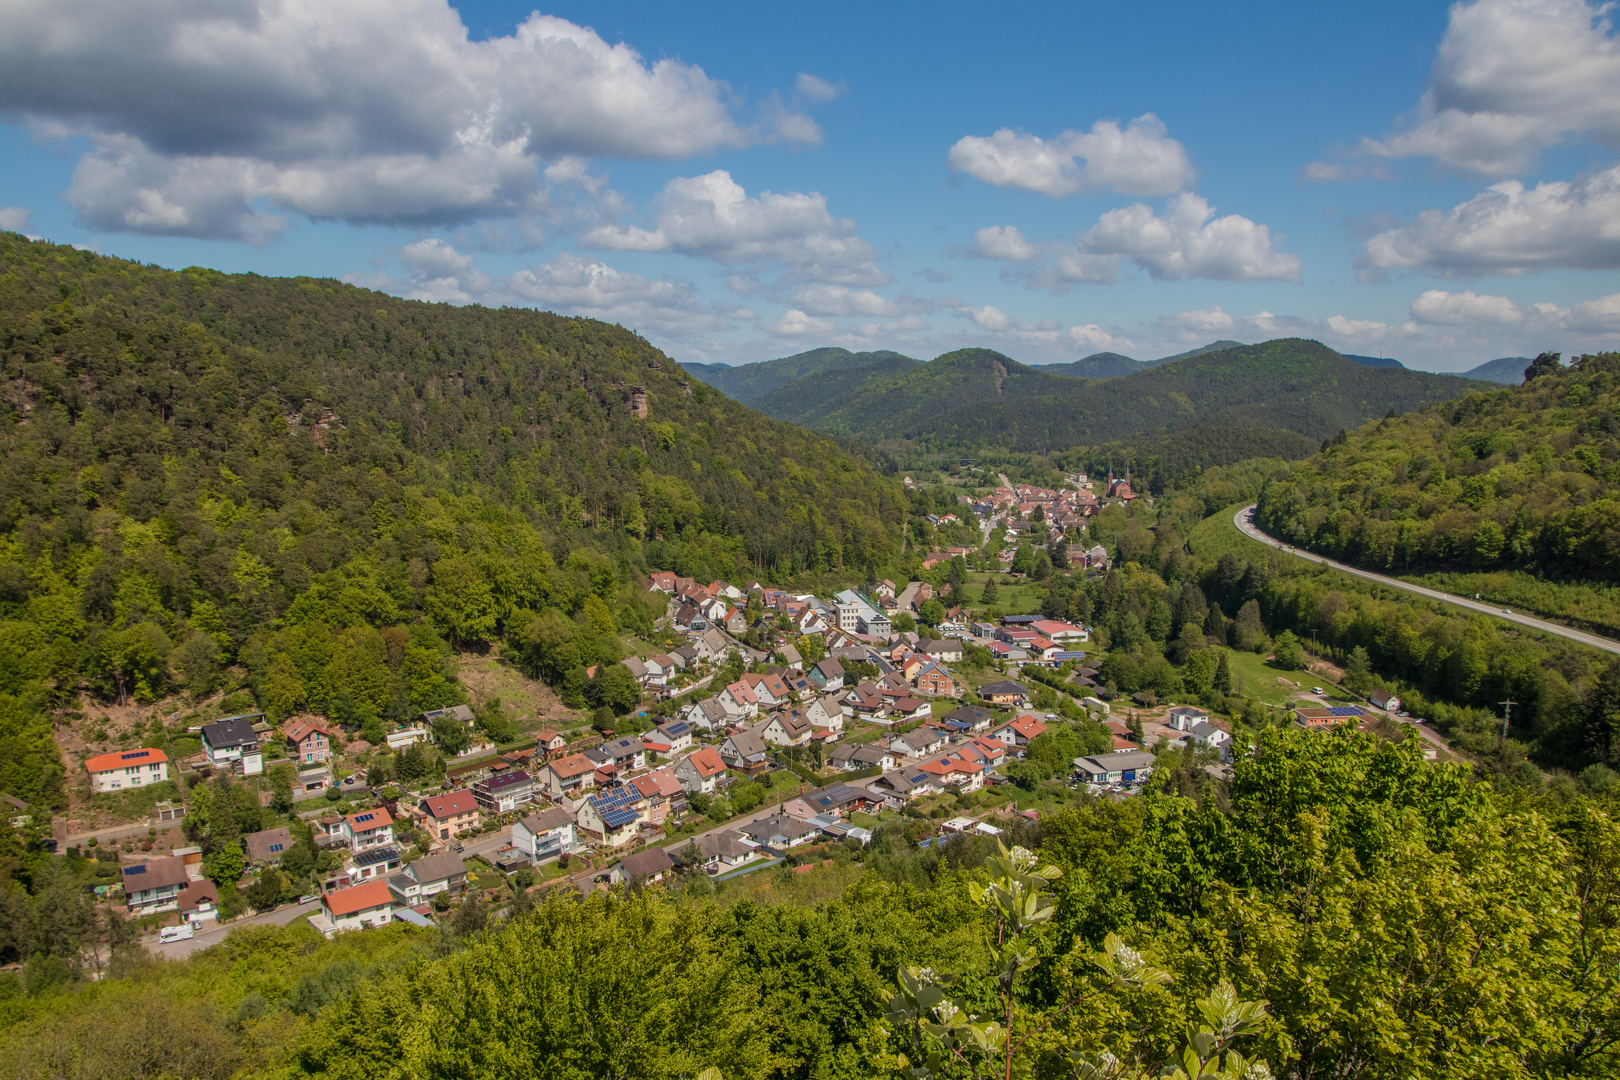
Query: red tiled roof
(341, 902)
(707, 762)
(123, 759)
(451, 804)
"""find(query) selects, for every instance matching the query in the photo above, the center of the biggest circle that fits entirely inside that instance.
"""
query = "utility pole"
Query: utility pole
(1507, 711)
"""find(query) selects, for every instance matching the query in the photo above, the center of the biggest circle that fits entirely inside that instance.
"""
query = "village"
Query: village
(781, 724)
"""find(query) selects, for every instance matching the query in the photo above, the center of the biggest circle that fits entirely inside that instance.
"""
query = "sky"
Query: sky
(737, 182)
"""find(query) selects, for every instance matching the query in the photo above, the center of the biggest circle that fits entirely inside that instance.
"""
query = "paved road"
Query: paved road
(215, 933)
(1244, 520)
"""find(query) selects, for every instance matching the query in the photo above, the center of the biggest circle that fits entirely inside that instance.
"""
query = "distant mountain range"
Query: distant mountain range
(745, 382)
(981, 397)
(1507, 369)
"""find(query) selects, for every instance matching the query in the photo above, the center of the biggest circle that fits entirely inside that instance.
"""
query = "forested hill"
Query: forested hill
(980, 397)
(745, 382)
(1519, 478)
(194, 459)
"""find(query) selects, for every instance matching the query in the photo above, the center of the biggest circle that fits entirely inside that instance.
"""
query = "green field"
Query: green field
(1216, 536)
(1014, 596)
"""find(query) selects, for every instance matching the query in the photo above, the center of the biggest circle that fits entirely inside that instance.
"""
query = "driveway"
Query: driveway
(214, 933)
(1244, 520)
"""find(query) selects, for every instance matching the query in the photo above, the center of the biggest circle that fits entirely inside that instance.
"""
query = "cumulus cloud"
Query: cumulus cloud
(1002, 242)
(197, 111)
(988, 317)
(795, 323)
(818, 89)
(712, 217)
(1186, 243)
(1510, 229)
(1458, 309)
(1138, 159)
(434, 270)
(1512, 78)
(842, 300)
(15, 218)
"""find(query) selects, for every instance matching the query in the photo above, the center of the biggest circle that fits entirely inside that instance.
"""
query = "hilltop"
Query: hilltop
(981, 397)
(1515, 478)
(745, 382)
(1506, 369)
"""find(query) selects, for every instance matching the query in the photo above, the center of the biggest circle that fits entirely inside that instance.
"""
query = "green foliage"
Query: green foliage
(982, 398)
(1516, 478)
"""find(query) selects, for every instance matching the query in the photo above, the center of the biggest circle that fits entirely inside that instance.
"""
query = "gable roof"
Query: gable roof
(154, 874)
(298, 730)
(437, 867)
(123, 759)
(707, 762)
(233, 731)
(727, 843)
(571, 766)
(657, 782)
(371, 894)
(451, 804)
(366, 820)
(553, 817)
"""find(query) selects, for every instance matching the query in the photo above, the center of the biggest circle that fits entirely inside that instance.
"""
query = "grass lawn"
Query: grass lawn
(1216, 535)
(1253, 677)
(1014, 596)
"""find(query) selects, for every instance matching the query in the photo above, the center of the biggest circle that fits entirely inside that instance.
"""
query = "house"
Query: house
(746, 752)
(668, 739)
(902, 785)
(968, 718)
(461, 714)
(661, 795)
(662, 581)
(788, 728)
(233, 742)
(717, 852)
(790, 656)
(1386, 700)
(625, 752)
(549, 743)
(863, 700)
(919, 743)
(739, 700)
(308, 742)
(546, 835)
(637, 669)
(400, 739)
(685, 656)
(1059, 631)
(504, 791)
(828, 673)
(611, 817)
(1129, 767)
(568, 777)
(155, 885)
(853, 757)
(1207, 734)
(948, 651)
(265, 848)
(125, 769)
(837, 799)
(935, 680)
(356, 908)
(1018, 731)
(825, 714)
(1005, 693)
(643, 867)
(779, 832)
(712, 645)
(1185, 717)
(377, 862)
(451, 814)
(427, 877)
(368, 829)
(957, 771)
(701, 771)
(1322, 719)
(708, 716)
(770, 689)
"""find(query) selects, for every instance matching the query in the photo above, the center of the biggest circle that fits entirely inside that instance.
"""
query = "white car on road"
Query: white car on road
(183, 932)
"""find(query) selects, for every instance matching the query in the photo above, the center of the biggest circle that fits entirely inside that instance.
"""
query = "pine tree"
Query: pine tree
(1358, 671)
(990, 591)
(1223, 674)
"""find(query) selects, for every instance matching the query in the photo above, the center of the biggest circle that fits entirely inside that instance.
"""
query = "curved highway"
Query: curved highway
(1244, 520)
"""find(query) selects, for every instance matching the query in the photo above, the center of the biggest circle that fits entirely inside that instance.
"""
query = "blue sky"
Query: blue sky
(739, 182)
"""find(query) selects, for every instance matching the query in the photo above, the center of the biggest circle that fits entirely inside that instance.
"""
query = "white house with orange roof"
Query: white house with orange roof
(369, 829)
(370, 905)
(701, 772)
(125, 769)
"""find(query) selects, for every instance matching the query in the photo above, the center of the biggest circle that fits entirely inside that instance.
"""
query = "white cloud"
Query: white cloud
(1093, 338)
(989, 318)
(1139, 159)
(1436, 306)
(1186, 243)
(818, 89)
(1512, 78)
(841, 300)
(1201, 322)
(795, 323)
(1002, 242)
(712, 217)
(15, 218)
(1323, 172)
(1509, 229)
(198, 110)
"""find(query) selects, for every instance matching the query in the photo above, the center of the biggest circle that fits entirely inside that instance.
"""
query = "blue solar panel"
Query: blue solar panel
(1346, 710)
(617, 818)
(135, 870)
(364, 817)
(275, 847)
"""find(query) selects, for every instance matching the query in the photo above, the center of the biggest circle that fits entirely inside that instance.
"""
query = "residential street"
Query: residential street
(214, 934)
(1244, 520)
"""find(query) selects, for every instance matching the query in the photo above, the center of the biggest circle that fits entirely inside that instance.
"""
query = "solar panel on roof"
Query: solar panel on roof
(617, 818)
(275, 847)
(133, 754)
(135, 870)
(364, 817)
(1346, 710)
